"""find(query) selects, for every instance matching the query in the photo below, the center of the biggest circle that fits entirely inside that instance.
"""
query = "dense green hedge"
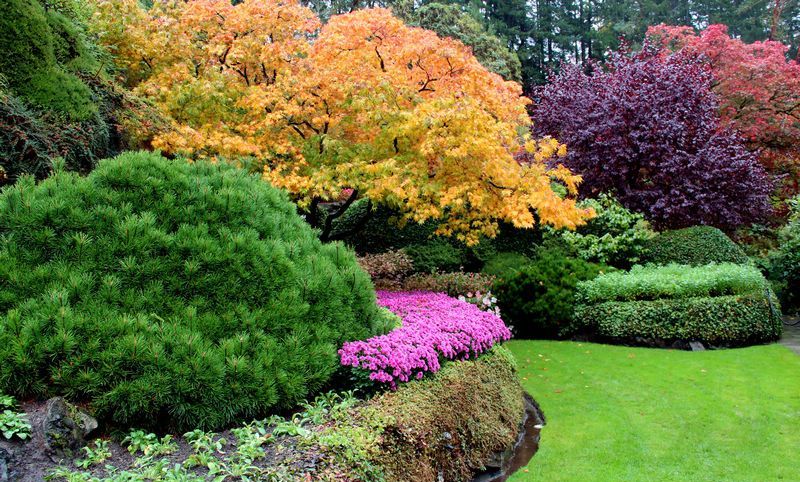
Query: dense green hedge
(672, 281)
(696, 246)
(784, 262)
(716, 321)
(538, 299)
(381, 233)
(170, 295)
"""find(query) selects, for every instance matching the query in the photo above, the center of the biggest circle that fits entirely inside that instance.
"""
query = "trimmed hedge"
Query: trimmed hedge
(717, 321)
(171, 295)
(435, 256)
(696, 246)
(672, 281)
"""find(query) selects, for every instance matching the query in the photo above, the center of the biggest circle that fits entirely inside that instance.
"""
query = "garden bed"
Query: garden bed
(459, 422)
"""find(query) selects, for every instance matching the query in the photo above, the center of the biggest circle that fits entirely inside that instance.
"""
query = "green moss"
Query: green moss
(60, 91)
(30, 62)
(70, 46)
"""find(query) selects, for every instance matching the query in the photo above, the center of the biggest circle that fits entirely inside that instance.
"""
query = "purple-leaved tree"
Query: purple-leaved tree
(646, 127)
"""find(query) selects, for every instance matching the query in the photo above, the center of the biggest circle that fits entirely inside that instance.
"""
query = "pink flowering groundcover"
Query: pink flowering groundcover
(435, 327)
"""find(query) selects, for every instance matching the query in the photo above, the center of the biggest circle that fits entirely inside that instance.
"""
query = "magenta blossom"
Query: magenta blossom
(434, 326)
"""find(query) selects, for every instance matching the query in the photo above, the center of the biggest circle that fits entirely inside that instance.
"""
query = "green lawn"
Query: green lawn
(634, 414)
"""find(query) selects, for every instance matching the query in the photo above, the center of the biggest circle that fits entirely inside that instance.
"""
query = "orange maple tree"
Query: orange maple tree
(365, 102)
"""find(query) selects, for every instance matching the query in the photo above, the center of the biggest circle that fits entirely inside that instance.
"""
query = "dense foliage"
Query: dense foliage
(450, 20)
(39, 45)
(388, 270)
(784, 263)
(395, 113)
(672, 281)
(646, 129)
(615, 236)
(436, 255)
(505, 264)
(717, 321)
(434, 326)
(171, 295)
(696, 246)
(759, 90)
(538, 300)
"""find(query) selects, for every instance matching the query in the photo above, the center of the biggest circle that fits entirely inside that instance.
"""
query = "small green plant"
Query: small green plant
(615, 236)
(13, 423)
(149, 444)
(94, 455)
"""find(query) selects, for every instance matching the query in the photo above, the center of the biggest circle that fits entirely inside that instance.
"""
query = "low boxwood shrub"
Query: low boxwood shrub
(696, 246)
(672, 281)
(718, 321)
(538, 300)
(170, 295)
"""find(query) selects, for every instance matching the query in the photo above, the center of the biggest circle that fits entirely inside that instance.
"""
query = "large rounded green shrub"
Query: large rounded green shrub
(170, 295)
(537, 300)
(696, 246)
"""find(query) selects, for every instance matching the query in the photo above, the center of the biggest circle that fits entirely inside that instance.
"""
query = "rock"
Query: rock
(65, 428)
(696, 346)
(5, 461)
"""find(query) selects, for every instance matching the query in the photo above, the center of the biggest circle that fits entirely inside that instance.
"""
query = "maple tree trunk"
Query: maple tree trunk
(777, 12)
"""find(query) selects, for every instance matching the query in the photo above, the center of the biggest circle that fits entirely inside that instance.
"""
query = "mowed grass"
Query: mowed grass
(636, 414)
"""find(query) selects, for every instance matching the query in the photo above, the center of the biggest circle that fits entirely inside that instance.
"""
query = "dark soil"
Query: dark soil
(31, 463)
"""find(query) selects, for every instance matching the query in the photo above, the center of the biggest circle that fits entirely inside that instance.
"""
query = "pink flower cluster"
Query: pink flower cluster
(435, 326)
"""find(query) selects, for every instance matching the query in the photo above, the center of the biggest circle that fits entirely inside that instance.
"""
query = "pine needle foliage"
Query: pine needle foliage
(170, 295)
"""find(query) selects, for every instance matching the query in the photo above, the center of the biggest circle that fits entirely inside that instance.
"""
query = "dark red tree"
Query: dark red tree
(646, 128)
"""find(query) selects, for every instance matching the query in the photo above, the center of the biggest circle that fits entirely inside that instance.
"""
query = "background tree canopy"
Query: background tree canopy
(542, 33)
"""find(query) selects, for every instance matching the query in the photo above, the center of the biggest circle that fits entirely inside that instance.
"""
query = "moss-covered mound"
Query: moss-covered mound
(35, 42)
(445, 426)
(170, 295)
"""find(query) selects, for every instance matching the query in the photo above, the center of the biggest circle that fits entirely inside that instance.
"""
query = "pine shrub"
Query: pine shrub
(170, 295)
(696, 246)
(538, 299)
